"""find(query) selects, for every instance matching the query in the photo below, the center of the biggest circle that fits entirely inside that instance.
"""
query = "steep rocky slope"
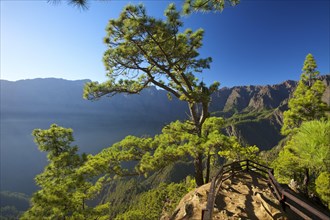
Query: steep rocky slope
(250, 98)
(255, 113)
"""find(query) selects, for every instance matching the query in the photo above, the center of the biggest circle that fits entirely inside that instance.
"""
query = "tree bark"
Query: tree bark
(199, 118)
(198, 163)
(208, 168)
(306, 180)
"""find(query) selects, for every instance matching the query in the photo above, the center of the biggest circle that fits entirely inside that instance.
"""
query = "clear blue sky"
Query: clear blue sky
(257, 42)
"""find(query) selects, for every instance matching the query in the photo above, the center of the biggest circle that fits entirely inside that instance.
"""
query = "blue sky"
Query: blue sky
(257, 42)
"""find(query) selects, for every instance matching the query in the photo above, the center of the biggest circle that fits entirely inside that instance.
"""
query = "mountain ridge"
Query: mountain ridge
(254, 114)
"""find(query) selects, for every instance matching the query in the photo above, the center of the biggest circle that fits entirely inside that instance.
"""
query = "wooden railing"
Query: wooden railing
(286, 199)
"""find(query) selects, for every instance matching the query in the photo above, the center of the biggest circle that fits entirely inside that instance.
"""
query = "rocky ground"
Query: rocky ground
(246, 196)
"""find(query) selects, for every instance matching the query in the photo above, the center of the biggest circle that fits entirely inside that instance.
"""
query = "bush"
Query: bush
(323, 187)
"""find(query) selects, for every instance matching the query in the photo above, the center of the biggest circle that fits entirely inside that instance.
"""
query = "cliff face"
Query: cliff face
(255, 113)
(249, 98)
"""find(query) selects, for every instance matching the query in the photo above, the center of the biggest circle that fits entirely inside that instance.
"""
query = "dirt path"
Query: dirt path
(246, 196)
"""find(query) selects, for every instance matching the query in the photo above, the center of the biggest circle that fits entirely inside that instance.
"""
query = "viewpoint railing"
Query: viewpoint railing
(286, 199)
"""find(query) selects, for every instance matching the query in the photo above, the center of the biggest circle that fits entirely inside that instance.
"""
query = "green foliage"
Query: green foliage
(312, 145)
(111, 160)
(322, 187)
(309, 69)
(250, 116)
(207, 5)
(270, 155)
(306, 103)
(309, 148)
(144, 51)
(306, 154)
(160, 200)
(177, 142)
(235, 151)
(122, 193)
(286, 166)
(63, 192)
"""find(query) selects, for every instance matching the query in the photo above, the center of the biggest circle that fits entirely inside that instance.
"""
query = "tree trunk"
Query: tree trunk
(199, 118)
(306, 180)
(208, 168)
(198, 163)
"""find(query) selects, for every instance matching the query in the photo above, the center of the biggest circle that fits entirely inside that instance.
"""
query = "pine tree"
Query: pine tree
(306, 155)
(306, 103)
(309, 70)
(322, 184)
(63, 192)
(144, 51)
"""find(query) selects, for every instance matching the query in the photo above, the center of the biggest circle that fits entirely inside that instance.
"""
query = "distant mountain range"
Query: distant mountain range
(254, 114)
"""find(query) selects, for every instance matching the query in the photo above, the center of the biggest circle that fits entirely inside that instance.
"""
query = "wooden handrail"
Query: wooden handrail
(298, 206)
(300, 203)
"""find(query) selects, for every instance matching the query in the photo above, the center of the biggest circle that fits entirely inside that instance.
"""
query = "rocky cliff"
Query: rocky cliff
(255, 113)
